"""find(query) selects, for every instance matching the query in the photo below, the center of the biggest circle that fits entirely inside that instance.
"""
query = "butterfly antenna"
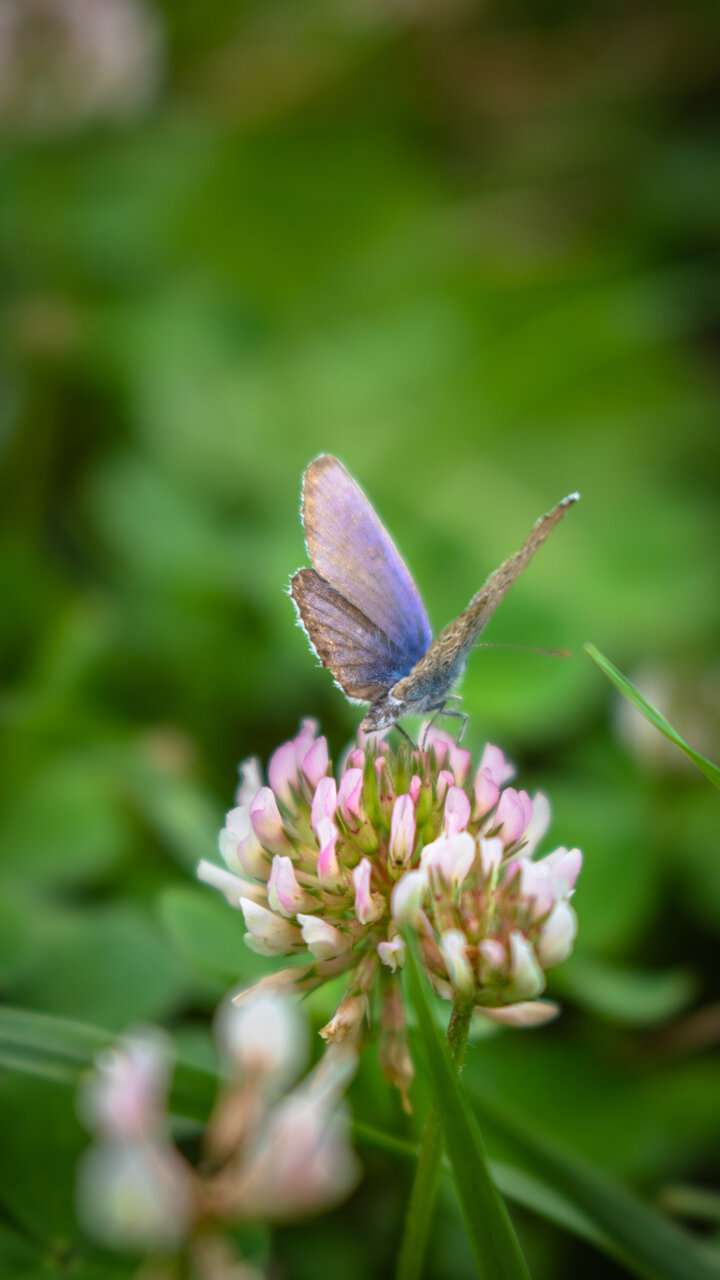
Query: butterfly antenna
(524, 648)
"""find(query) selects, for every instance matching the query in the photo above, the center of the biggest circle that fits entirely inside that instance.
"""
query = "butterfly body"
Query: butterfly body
(363, 614)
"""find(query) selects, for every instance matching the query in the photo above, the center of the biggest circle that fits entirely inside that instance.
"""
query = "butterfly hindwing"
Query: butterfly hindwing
(363, 660)
(354, 553)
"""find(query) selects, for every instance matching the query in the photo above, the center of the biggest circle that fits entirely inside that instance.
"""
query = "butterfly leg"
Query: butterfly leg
(437, 711)
(406, 735)
(442, 710)
(459, 715)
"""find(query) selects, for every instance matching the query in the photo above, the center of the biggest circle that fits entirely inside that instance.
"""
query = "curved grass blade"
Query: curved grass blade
(494, 1244)
(648, 1244)
(515, 1184)
(61, 1049)
(655, 717)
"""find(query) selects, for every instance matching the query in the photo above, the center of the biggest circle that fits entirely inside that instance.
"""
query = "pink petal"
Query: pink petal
(537, 826)
(457, 811)
(366, 908)
(323, 939)
(315, 763)
(283, 772)
(267, 823)
(500, 769)
(284, 892)
(509, 816)
(350, 796)
(459, 762)
(250, 782)
(328, 868)
(448, 861)
(324, 802)
(445, 780)
(487, 793)
(402, 831)
(408, 896)
(533, 1013)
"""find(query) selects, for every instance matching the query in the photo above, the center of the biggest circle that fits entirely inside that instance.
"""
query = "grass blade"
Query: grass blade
(655, 717)
(648, 1244)
(495, 1247)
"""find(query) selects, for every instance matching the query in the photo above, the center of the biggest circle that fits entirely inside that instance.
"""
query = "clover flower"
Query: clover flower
(329, 870)
(270, 1151)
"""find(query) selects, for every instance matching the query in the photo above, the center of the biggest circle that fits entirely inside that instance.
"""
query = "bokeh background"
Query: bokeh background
(472, 250)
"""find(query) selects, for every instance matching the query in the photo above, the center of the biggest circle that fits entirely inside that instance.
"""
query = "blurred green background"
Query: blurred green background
(472, 250)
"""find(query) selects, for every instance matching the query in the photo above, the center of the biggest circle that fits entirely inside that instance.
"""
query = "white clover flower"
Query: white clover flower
(411, 837)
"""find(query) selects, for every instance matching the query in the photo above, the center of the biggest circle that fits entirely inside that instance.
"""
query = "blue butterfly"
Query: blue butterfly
(362, 612)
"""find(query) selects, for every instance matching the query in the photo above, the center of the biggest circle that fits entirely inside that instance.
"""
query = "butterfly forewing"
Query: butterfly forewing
(362, 659)
(456, 640)
(353, 552)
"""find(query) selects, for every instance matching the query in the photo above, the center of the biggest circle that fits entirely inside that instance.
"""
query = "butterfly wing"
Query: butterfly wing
(362, 659)
(448, 653)
(354, 553)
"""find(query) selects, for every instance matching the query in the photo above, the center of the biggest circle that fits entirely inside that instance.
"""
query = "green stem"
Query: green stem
(427, 1174)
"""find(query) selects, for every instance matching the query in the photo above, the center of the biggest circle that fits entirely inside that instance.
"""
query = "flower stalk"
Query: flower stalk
(427, 1172)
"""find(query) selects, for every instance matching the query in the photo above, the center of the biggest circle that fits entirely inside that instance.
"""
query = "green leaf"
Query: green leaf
(495, 1247)
(629, 997)
(60, 1050)
(209, 933)
(655, 717)
(646, 1243)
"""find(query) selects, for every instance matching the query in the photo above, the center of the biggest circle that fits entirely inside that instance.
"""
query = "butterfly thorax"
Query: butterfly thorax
(426, 687)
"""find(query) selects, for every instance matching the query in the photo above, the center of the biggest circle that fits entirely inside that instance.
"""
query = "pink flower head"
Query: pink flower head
(333, 870)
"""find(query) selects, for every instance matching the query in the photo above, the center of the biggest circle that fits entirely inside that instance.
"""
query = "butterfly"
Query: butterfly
(363, 614)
